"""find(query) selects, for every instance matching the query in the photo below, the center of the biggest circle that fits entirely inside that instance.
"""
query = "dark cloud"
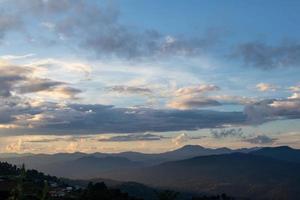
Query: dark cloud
(133, 137)
(55, 118)
(101, 119)
(129, 89)
(223, 133)
(37, 85)
(13, 107)
(261, 139)
(201, 103)
(65, 119)
(264, 56)
(9, 76)
(273, 109)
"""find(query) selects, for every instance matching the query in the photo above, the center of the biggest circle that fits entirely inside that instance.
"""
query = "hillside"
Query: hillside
(249, 175)
(89, 167)
(20, 184)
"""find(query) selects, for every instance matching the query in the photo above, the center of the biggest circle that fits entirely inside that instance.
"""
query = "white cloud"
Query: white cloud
(181, 139)
(295, 88)
(295, 96)
(264, 87)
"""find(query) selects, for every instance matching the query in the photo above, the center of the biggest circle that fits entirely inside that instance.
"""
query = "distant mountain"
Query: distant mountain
(190, 151)
(13, 155)
(36, 161)
(253, 176)
(39, 161)
(258, 173)
(89, 167)
(281, 153)
(184, 152)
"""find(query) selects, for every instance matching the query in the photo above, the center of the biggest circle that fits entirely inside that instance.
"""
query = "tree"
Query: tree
(45, 191)
(17, 193)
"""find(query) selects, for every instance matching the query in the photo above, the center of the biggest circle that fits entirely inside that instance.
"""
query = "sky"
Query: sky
(148, 76)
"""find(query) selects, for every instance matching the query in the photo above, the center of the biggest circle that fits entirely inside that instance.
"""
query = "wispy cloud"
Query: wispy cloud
(184, 138)
(261, 139)
(224, 133)
(133, 137)
(122, 89)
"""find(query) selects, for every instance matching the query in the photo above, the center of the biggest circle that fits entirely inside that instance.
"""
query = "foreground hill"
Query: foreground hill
(21, 184)
(248, 175)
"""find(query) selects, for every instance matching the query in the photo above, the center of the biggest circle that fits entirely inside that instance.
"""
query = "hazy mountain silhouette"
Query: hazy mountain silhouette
(281, 153)
(89, 167)
(40, 161)
(184, 152)
(248, 175)
(269, 172)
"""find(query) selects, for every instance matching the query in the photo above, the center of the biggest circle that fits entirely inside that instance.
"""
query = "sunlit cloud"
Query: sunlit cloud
(263, 87)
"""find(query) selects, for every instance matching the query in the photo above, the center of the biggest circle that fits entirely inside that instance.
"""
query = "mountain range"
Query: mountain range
(256, 173)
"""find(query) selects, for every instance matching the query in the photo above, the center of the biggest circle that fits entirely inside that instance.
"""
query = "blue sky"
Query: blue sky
(177, 70)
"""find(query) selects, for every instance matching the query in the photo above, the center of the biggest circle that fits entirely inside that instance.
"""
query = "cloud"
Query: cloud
(133, 137)
(295, 88)
(295, 96)
(58, 139)
(191, 103)
(10, 75)
(196, 90)
(183, 138)
(19, 80)
(130, 89)
(272, 109)
(224, 133)
(37, 85)
(263, 87)
(16, 146)
(16, 57)
(264, 56)
(235, 100)
(193, 97)
(57, 118)
(57, 65)
(180, 139)
(96, 28)
(62, 92)
(8, 22)
(261, 139)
